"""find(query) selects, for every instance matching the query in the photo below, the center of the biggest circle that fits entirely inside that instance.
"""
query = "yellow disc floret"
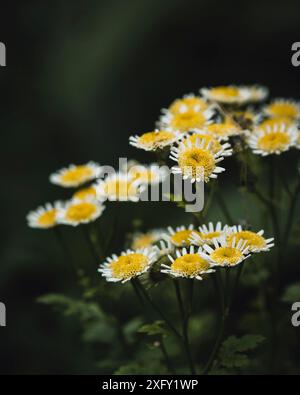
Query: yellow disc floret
(226, 255)
(85, 193)
(82, 211)
(190, 265)
(195, 161)
(274, 141)
(193, 103)
(48, 218)
(77, 174)
(211, 143)
(187, 120)
(283, 109)
(254, 241)
(127, 266)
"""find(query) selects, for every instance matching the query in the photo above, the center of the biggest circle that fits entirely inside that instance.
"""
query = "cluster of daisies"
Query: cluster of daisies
(201, 130)
(93, 187)
(192, 252)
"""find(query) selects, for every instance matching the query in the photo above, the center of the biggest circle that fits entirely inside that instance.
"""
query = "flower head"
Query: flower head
(120, 187)
(76, 175)
(276, 123)
(44, 217)
(85, 193)
(256, 93)
(283, 108)
(223, 130)
(254, 240)
(185, 120)
(76, 212)
(188, 102)
(180, 236)
(187, 263)
(211, 143)
(128, 265)
(195, 162)
(148, 174)
(272, 139)
(155, 140)
(230, 94)
(147, 239)
(207, 234)
(222, 253)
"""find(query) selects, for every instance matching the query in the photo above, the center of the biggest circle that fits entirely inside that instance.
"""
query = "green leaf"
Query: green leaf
(292, 293)
(233, 350)
(154, 329)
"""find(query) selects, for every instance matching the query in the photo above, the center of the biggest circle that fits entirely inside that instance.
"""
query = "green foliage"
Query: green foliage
(155, 329)
(96, 325)
(233, 352)
(292, 293)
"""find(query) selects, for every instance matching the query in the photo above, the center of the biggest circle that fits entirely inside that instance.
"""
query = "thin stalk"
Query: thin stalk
(90, 244)
(291, 217)
(157, 309)
(166, 357)
(60, 240)
(224, 208)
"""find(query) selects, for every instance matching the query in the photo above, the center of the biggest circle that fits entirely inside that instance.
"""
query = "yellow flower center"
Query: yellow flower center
(143, 241)
(193, 161)
(127, 266)
(210, 235)
(84, 193)
(156, 139)
(222, 129)
(253, 239)
(81, 211)
(279, 121)
(287, 110)
(226, 255)
(274, 141)
(181, 237)
(77, 174)
(48, 218)
(188, 103)
(190, 265)
(188, 120)
(121, 189)
(214, 144)
(145, 176)
(223, 92)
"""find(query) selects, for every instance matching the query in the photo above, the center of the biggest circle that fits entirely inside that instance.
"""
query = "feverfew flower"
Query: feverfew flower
(128, 265)
(44, 217)
(155, 140)
(76, 175)
(76, 212)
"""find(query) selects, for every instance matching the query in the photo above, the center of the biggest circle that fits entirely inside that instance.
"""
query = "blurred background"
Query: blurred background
(81, 77)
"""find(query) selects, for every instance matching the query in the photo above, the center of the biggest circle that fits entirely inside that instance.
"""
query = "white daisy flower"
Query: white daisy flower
(207, 234)
(211, 143)
(180, 236)
(76, 212)
(85, 193)
(272, 140)
(119, 187)
(283, 108)
(44, 217)
(148, 174)
(254, 240)
(185, 121)
(146, 239)
(128, 265)
(76, 175)
(187, 103)
(188, 264)
(164, 248)
(230, 94)
(155, 140)
(223, 253)
(276, 123)
(223, 130)
(195, 162)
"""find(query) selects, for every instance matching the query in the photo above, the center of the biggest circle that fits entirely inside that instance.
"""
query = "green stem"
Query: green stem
(224, 208)
(90, 244)
(166, 357)
(290, 218)
(59, 237)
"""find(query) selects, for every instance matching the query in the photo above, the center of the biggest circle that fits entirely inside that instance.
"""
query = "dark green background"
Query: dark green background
(81, 77)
